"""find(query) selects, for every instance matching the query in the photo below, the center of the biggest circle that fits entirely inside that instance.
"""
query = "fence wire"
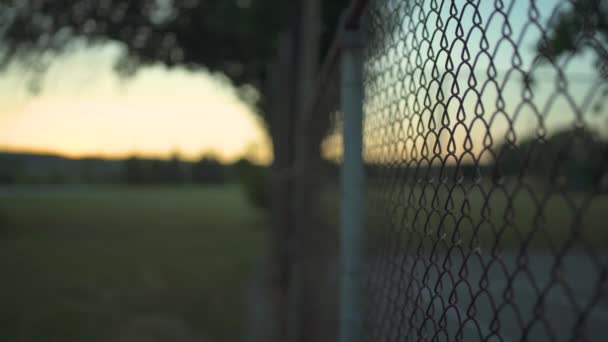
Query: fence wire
(486, 149)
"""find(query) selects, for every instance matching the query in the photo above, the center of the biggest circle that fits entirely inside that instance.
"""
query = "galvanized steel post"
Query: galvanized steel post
(352, 223)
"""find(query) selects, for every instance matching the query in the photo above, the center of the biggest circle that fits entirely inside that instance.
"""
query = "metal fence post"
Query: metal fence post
(352, 223)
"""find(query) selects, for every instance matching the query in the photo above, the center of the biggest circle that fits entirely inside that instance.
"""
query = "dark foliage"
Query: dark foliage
(153, 171)
(255, 182)
(578, 154)
(209, 170)
(134, 171)
(222, 35)
(11, 168)
(584, 25)
(237, 38)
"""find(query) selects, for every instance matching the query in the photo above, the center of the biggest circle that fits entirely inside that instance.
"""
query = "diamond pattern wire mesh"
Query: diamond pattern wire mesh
(486, 151)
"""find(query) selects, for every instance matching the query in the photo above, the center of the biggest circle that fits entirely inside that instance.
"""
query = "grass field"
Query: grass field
(507, 219)
(79, 262)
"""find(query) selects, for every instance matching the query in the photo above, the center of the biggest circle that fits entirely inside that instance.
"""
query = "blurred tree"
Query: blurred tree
(87, 172)
(572, 158)
(173, 170)
(254, 180)
(236, 37)
(208, 170)
(134, 171)
(230, 36)
(154, 171)
(583, 25)
(11, 169)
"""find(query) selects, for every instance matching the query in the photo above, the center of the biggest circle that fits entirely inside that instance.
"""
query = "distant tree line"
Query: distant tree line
(26, 168)
(207, 170)
(22, 168)
(573, 160)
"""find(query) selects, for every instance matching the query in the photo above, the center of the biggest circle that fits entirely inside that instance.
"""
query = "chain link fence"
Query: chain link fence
(486, 152)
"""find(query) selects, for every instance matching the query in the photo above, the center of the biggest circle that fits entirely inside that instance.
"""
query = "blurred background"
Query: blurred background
(169, 169)
(134, 151)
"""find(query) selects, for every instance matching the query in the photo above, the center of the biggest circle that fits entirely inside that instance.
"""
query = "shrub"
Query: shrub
(254, 180)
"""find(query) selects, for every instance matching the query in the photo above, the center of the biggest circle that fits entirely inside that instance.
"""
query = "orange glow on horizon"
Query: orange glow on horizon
(85, 112)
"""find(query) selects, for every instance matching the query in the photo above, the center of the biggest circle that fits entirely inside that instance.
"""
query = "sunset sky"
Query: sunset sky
(85, 109)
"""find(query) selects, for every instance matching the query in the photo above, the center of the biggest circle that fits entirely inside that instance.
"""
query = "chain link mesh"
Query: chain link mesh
(486, 151)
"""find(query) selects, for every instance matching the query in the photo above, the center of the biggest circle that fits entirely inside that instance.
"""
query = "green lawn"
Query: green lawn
(77, 263)
(403, 216)
(502, 218)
